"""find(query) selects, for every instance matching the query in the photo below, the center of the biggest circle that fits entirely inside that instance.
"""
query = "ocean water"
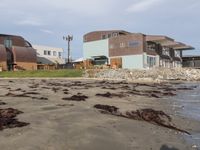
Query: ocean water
(188, 105)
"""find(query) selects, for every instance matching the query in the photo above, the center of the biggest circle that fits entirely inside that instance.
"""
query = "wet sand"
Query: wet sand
(60, 122)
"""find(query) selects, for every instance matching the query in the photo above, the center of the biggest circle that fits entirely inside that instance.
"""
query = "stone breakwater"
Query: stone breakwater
(157, 74)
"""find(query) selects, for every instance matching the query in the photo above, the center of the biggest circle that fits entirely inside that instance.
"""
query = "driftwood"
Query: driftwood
(40, 98)
(77, 97)
(110, 95)
(148, 115)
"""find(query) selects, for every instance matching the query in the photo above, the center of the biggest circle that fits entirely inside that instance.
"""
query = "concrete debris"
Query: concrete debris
(156, 74)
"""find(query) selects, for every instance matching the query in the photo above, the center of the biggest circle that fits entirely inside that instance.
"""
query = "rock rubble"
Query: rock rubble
(157, 74)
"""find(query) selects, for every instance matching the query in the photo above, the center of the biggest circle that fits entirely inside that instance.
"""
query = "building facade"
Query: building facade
(191, 61)
(16, 53)
(49, 55)
(132, 50)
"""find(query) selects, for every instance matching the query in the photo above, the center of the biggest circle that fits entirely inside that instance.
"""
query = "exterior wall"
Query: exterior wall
(132, 62)
(24, 54)
(3, 65)
(3, 56)
(56, 55)
(193, 62)
(97, 35)
(95, 48)
(119, 46)
(26, 66)
(25, 58)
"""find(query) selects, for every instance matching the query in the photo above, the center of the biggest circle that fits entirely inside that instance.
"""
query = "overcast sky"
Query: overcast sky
(44, 22)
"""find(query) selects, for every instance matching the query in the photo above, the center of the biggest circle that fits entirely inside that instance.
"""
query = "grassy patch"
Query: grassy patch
(43, 73)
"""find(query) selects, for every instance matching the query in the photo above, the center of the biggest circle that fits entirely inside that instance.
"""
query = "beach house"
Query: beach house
(123, 49)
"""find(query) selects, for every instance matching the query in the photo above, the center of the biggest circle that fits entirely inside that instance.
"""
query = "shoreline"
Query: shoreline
(61, 124)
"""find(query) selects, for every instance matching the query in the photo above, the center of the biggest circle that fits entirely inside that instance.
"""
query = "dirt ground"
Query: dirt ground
(61, 115)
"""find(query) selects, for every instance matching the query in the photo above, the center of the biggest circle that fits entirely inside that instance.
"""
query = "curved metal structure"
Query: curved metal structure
(16, 53)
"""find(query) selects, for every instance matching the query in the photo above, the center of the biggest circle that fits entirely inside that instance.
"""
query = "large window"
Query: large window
(151, 61)
(54, 53)
(45, 52)
(133, 43)
(166, 51)
(177, 53)
(151, 46)
(49, 53)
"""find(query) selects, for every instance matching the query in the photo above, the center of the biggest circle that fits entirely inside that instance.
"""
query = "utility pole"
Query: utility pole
(68, 39)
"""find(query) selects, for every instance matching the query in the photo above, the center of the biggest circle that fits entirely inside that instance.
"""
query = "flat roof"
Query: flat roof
(158, 38)
(109, 31)
(168, 42)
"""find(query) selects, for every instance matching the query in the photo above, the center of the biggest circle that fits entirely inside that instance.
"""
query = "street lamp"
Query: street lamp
(68, 39)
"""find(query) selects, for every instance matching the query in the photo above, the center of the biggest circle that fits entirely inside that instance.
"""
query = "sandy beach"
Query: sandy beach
(59, 122)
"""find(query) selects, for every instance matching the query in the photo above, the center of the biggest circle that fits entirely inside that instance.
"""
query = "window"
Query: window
(177, 53)
(114, 34)
(45, 52)
(49, 52)
(151, 46)
(133, 43)
(151, 61)
(8, 42)
(54, 53)
(60, 54)
(122, 45)
(103, 37)
(109, 35)
(166, 51)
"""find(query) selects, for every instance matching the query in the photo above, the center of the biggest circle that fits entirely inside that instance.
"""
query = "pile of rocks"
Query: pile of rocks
(157, 74)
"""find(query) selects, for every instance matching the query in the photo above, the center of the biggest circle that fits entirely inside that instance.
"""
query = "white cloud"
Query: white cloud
(47, 31)
(143, 5)
(30, 22)
(80, 7)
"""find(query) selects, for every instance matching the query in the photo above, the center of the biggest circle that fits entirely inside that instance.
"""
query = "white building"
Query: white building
(49, 55)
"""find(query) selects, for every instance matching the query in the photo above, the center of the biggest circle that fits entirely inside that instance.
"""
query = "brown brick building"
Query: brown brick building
(16, 53)
(132, 50)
